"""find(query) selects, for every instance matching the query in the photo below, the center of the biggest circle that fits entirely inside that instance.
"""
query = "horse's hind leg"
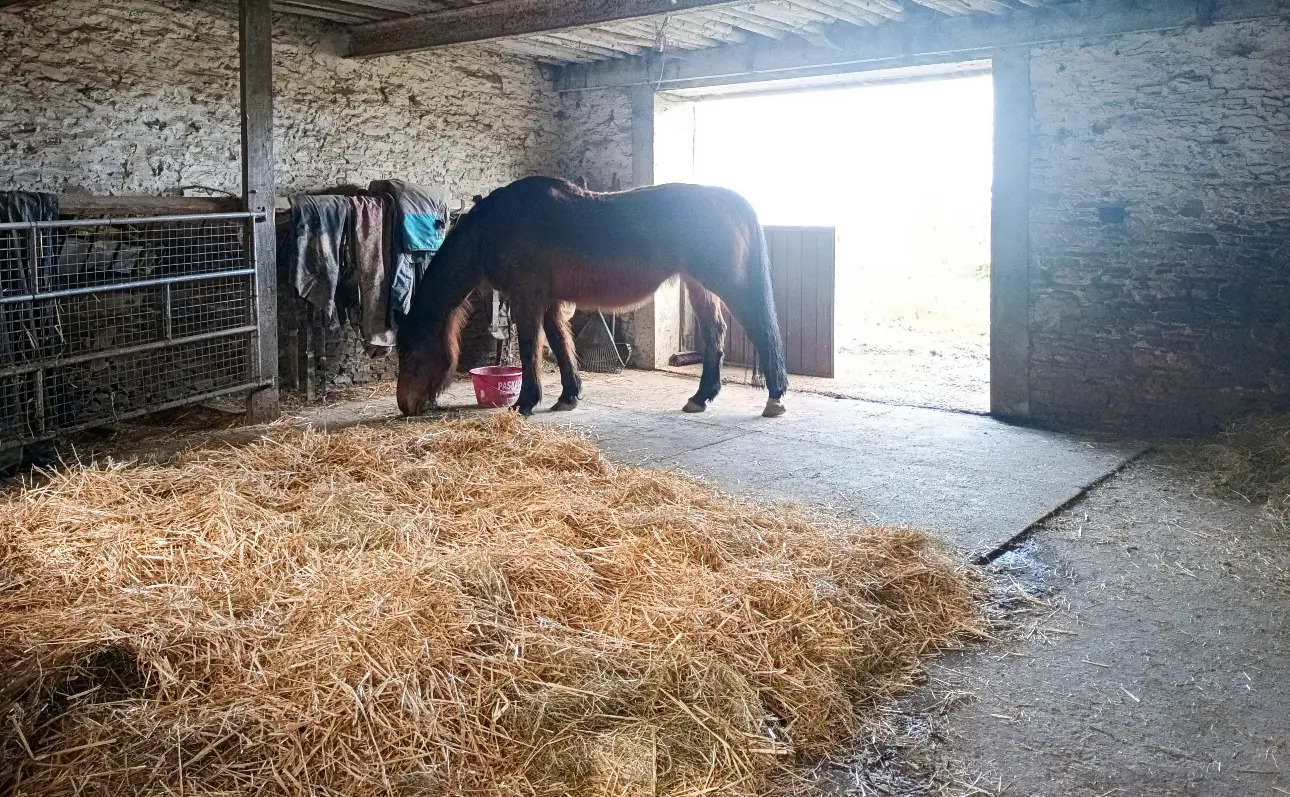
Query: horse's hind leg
(712, 333)
(770, 354)
(755, 309)
(528, 327)
(560, 340)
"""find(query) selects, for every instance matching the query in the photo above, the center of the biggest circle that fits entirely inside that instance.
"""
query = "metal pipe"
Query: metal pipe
(167, 323)
(59, 362)
(259, 306)
(64, 223)
(33, 265)
(121, 286)
(33, 259)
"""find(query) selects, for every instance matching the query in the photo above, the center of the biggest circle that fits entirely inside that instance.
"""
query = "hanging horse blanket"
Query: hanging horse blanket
(420, 222)
(341, 262)
(369, 270)
(318, 225)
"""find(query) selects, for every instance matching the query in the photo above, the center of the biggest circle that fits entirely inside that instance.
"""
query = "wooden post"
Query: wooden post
(256, 50)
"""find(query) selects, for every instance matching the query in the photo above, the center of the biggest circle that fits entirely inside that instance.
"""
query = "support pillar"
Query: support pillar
(655, 327)
(256, 51)
(1010, 239)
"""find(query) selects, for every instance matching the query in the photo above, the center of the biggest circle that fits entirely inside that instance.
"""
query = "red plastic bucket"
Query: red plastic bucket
(497, 385)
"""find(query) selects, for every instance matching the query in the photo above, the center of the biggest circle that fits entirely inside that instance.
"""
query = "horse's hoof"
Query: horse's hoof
(524, 411)
(694, 406)
(774, 409)
(564, 406)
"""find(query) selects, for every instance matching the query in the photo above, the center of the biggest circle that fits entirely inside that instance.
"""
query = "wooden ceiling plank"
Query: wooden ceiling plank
(754, 25)
(674, 31)
(839, 12)
(502, 19)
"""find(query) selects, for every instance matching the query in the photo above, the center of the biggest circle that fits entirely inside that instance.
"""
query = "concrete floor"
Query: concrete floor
(952, 379)
(1158, 666)
(971, 479)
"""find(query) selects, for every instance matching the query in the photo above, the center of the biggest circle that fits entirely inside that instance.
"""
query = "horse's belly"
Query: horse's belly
(605, 286)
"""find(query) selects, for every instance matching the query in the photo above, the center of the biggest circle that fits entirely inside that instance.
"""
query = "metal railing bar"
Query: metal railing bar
(121, 286)
(128, 221)
(57, 362)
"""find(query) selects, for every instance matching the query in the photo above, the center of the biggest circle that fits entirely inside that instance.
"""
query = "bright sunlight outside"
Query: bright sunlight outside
(903, 171)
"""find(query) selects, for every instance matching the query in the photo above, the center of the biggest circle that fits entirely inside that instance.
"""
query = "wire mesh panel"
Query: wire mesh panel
(106, 320)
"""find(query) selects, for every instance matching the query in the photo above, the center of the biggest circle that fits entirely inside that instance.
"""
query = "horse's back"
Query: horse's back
(557, 206)
(661, 230)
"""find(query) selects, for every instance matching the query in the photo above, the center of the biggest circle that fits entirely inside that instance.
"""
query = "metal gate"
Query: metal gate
(104, 320)
(802, 271)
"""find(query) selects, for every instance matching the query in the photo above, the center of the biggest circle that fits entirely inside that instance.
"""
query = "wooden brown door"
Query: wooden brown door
(801, 269)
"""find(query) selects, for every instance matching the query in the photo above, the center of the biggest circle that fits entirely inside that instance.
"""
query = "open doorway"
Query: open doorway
(897, 171)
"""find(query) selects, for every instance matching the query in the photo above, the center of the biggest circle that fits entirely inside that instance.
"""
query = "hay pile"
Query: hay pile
(474, 607)
(1250, 460)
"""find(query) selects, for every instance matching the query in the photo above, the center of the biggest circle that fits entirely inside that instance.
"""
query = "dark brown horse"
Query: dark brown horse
(544, 241)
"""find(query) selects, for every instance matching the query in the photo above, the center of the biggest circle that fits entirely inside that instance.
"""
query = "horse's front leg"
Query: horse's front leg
(560, 339)
(529, 329)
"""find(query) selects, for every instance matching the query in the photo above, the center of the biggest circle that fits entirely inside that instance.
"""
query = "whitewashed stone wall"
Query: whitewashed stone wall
(141, 96)
(1160, 227)
(596, 138)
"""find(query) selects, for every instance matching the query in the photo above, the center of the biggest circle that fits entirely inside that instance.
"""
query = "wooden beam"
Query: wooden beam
(256, 50)
(503, 19)
(84, 206)
(18, 5)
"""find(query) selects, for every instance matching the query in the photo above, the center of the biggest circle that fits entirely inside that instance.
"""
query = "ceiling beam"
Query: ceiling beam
(922, 39)
(502, 19)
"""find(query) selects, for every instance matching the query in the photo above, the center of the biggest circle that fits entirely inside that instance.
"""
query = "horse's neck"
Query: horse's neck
(457, 289)
(456, 269)
(454, 286)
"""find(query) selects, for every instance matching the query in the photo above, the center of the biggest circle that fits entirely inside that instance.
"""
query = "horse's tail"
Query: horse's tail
(771, 345)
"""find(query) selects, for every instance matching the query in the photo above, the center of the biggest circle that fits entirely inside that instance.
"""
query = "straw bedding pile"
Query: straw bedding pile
(1250, 460)
(472, 607)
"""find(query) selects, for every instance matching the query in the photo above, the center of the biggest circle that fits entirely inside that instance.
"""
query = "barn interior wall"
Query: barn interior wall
(596, 138)
(1159, 236)
(1160, 227)
(141, 97)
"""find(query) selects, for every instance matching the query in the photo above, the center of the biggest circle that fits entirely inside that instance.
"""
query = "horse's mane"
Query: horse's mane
(455, 269)
(442, 295)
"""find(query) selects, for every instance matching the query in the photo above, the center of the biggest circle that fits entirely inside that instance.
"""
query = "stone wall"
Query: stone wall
(1160, 228)
(1159, 223)
(596, 138)
(142, 97)
(597, 144)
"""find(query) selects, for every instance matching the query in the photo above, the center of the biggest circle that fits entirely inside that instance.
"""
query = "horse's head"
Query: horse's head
(428, 342)
(430, 334)
(427, 356)
(423, 372)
